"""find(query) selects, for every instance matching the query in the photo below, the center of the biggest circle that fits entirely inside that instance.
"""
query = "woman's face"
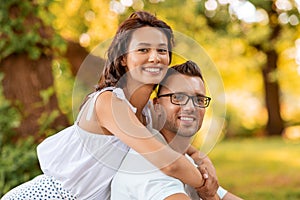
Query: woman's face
(148, 56)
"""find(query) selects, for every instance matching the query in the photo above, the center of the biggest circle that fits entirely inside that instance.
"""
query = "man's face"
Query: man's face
(183, 120)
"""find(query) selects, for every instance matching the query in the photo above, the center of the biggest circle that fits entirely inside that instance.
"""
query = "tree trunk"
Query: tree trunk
(86, 68)
(24, 80)
(80, 59)
(275, 124)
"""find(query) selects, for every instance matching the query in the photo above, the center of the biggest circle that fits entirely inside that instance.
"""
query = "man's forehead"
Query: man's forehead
(182, 83)
(176, 79)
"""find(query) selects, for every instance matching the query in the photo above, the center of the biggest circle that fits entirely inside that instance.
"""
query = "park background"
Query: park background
(255, 46)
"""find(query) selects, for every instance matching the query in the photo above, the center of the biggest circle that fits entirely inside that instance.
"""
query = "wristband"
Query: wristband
(221, 192)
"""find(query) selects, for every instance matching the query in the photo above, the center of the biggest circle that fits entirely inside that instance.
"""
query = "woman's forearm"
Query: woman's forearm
(185, 171)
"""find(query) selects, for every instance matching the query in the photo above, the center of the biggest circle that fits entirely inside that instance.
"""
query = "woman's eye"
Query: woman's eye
(143, 50)
(162, 51)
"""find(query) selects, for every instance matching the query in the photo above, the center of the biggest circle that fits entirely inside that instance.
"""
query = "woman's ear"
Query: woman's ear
(124, 61)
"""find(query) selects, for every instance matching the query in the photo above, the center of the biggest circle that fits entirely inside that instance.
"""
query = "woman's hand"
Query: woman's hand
(208, 171)
(211, 185)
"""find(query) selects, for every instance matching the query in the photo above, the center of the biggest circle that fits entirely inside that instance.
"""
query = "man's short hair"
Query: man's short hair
(189, 68)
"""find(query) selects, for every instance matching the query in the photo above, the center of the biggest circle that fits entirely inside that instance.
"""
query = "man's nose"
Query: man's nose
(189, 106)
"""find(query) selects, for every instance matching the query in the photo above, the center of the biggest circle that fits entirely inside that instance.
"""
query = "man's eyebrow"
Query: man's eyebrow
(194, 94)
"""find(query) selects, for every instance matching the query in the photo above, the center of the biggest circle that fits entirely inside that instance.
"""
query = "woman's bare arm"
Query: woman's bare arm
(195, 154)
(115, 115)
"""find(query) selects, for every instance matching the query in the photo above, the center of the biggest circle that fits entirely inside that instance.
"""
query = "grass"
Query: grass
(258, 168)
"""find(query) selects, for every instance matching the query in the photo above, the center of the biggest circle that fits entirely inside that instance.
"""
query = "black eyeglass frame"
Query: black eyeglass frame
(207, 99)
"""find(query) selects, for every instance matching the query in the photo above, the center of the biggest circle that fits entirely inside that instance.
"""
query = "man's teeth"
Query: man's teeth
(186, 118)
(152, 69)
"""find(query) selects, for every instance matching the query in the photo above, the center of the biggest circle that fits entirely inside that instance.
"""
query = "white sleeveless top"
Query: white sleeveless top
(84, 162)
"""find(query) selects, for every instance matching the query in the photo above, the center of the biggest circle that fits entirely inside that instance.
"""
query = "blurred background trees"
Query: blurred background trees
(264, 25)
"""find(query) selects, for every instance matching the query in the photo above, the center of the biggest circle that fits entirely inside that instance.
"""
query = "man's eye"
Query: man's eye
(178, 97)
(200, 100)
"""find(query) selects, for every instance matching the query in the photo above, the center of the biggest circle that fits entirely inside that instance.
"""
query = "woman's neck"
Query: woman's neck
(138, 95)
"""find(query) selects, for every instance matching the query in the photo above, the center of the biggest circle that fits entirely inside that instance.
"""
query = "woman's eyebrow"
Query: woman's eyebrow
(143, 44)
(148, 44)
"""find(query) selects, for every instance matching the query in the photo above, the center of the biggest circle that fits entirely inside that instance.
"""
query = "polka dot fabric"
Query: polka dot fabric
(40, 188)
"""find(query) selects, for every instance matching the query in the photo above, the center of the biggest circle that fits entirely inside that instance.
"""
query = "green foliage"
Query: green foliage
(17, 160)
(24, 31)
(46, 118)
(218, 19)
(45, 122)
(9, 120)
(63, 86)
(18, 164)
(266, 5)
(46, 94)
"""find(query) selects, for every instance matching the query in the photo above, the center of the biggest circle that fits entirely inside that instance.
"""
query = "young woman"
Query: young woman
(80, 161)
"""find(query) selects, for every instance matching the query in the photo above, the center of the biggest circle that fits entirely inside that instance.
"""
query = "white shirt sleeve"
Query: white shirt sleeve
(221, 192)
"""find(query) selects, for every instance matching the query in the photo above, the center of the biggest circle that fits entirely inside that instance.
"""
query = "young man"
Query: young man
(179, 107)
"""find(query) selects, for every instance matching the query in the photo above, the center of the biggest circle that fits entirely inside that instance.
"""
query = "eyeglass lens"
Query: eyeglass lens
(182, 99)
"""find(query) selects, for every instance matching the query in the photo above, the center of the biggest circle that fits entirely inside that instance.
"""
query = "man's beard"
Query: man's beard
(181, 130)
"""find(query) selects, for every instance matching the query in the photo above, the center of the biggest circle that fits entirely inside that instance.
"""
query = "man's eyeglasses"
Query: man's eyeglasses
(182, 99)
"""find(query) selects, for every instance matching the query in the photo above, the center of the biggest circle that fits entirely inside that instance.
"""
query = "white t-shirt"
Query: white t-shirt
(138, 179)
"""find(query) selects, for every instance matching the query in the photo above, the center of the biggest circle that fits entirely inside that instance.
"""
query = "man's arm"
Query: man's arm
(230, 196)
(178, 196)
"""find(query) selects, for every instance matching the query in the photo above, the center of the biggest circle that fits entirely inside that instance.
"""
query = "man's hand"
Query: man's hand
(208, 171)
(211, 185)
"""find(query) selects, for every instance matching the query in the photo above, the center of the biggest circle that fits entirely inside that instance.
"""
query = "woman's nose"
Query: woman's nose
(154, 56)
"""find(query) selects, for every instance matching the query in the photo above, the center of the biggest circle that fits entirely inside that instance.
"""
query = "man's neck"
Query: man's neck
(176, 142)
